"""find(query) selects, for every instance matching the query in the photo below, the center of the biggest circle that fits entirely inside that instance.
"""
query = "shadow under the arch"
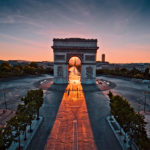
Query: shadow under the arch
(90, 87)
(98, 109)
(52, 100)
(72, 129)
(57, 87)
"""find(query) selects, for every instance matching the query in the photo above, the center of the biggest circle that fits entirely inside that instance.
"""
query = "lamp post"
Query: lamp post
(4, 96)
(144, 103)
(141, 102)
(138, 99)
(145, 93)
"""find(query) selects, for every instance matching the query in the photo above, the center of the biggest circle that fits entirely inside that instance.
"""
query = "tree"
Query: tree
(30, 107)
(133, 123)
(138, 130)
(2, 143)
(124, 70)
(134, 71)
(33, 64)
(31, 113)
(40, 69)
(23, 117)
(15, 125)
(20, 66)
(146, 73)
(6, 137)
(29, 70)
(138, 75)
(34, 98)
(110, 95)
(16, 69)
(6, 67)
(39, 100)
(48, 70)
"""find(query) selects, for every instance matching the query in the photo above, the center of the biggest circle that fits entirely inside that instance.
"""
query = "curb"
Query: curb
(120, 138)
(34, 132)
(35, 125)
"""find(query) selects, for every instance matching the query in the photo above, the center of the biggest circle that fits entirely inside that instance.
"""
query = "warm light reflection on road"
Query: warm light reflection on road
(72, 129)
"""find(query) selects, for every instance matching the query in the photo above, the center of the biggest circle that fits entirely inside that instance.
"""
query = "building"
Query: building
(84, 49)
(103, 58)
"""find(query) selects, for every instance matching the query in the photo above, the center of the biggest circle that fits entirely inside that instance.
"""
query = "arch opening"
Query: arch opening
(74, 70)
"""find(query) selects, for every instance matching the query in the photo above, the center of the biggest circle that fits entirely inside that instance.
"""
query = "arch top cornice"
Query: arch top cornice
(73, 48)
(75, 43)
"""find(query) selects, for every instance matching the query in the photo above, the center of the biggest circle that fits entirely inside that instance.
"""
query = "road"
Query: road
(72, 129)
(77, 119)
(132, 91)
(17, 88)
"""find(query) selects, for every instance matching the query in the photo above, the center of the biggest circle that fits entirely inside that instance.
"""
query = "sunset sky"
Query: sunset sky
(122, 27)
(75, 61)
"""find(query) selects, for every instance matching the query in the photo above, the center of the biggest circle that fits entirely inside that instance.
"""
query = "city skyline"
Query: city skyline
(27, 29)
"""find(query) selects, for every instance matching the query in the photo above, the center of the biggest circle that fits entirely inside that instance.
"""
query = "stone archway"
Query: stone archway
(85, 49)
(74, 70)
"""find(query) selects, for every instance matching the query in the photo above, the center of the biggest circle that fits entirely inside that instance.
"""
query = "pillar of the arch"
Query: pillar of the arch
(88, 74)
(60, 74)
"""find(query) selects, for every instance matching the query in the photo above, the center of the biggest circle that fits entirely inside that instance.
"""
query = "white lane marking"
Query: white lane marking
(75, 135)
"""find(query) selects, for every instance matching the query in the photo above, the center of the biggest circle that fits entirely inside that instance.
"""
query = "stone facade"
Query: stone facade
(85, 49)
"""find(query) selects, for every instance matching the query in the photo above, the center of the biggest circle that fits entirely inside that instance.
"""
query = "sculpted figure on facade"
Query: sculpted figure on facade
(89, 72)
(90, 57)
(60, 71)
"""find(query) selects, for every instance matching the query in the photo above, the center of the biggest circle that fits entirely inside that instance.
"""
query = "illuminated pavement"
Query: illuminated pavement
(72, 129)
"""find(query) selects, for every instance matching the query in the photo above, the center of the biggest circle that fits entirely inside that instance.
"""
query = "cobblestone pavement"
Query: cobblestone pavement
(72, 129)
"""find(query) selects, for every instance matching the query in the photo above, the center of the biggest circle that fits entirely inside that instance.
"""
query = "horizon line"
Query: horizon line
(96, 61)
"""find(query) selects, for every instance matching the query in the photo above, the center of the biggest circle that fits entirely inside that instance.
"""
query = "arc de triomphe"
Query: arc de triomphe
(85, 49)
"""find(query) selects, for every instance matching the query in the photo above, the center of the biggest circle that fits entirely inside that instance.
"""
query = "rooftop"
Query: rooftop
(74, 40)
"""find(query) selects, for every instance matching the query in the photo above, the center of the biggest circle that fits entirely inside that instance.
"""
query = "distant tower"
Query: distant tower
(103, 57)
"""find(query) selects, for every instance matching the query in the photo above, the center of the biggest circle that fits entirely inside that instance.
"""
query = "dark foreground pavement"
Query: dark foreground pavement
(98, 109)
(49, 110)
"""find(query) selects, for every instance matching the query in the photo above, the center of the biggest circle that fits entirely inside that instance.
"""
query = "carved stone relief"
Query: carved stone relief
(59, 57)
(89, 72)
(90, 57)
(60, 71)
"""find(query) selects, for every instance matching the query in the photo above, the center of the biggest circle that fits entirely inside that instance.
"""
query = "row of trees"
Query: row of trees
(134, 73)
(7, 70)
(133, 123)
(25, 113)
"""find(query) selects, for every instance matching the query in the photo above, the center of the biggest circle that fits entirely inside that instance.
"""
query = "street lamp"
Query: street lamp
(144, 103)
(145, 93)
(140, 102)
(4, 96)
